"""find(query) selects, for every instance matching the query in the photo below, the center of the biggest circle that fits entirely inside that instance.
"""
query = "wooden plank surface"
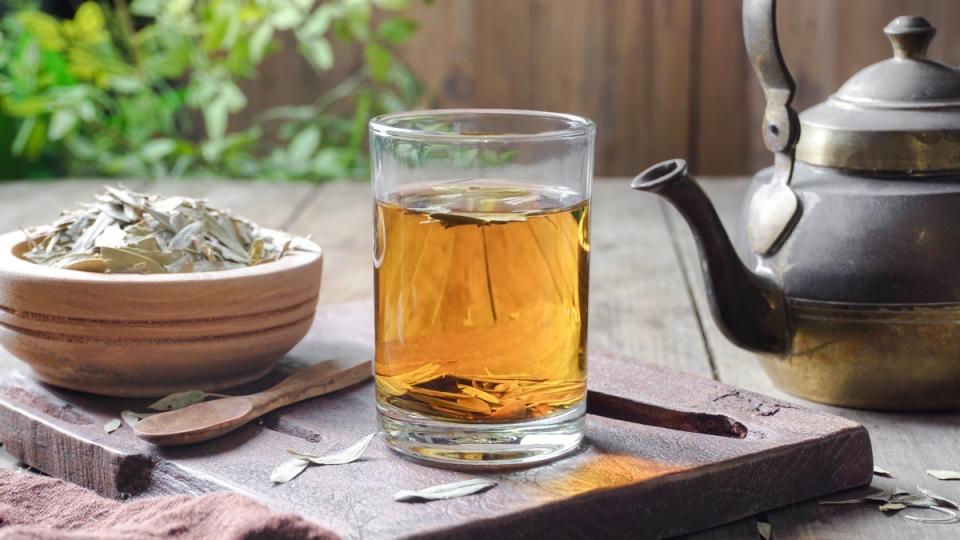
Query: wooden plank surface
(904, 444)
(665, 453)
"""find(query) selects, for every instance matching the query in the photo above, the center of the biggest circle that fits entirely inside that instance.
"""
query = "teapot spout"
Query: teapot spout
(747, 307)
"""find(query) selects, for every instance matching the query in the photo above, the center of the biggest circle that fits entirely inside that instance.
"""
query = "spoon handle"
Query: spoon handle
(316, 380)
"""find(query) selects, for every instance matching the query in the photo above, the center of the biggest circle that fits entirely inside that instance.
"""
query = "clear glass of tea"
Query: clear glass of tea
(481, 257)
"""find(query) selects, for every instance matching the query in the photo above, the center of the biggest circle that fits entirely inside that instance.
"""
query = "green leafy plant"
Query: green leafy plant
(148, 89)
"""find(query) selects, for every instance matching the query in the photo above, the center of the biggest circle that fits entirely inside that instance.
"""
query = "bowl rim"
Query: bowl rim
(11, 263)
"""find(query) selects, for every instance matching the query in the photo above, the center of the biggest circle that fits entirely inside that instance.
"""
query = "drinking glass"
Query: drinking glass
(481, 260)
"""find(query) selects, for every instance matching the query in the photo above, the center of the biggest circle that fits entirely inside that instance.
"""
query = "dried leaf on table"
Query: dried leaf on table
(877, 471)
(944, 474)
(112, 425)
(347, 455)
(912, 500)
(877, 495)
(180, 400)
(764, 529)
(951, 516)
(290, 469)
(445, 491)
(133, 418)
(941, 500)
(896, 500)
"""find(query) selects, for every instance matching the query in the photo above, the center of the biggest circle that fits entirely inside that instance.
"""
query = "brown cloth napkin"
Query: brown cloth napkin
(40, 508)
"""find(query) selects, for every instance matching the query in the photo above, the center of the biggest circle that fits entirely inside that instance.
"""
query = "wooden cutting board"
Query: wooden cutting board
(667, 453)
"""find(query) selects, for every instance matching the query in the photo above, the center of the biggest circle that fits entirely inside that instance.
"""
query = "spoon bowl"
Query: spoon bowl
(210, 419)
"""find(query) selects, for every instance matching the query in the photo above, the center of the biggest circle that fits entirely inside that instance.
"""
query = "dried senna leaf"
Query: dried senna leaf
(911, 500)
(891, 507)
(290, 469)
(179, 400)
(944, 474)
(130, 232)
(896, 500)
(877, 471)
(347, 455)
(453, 219)
(510, 396)
(112, 425)
(877, 495)
(133, 418)
(764, 529)
(445, 491)
(951, 516)
(941, 500)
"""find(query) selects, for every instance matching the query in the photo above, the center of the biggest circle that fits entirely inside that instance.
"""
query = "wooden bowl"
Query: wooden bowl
(150, 335)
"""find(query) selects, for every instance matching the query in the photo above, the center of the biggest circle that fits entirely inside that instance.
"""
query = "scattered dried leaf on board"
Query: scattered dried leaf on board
(112, 425)
(179, 400)
(445, 491)
(895, 500)
(944, 474)
(764, 529)
(877, 471)
(133, 418)
(290, 469)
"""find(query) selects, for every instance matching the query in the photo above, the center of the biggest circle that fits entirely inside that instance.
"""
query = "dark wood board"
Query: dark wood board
(667, 453)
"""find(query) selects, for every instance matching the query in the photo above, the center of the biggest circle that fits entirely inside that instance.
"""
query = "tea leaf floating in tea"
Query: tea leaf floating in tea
(129, 232)
(445, 491)
(452, 219)
(112, 425)
(290, 469)
(180, 400)
(944, 475)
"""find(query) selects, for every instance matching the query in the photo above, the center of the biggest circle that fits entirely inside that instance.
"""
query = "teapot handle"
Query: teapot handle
(780, 123)
(775, 207)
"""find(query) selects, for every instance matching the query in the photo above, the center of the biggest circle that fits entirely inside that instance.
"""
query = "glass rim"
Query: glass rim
(577, 126)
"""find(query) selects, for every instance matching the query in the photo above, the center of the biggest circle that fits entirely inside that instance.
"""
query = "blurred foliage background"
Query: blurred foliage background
(147, 88)
(245, 88)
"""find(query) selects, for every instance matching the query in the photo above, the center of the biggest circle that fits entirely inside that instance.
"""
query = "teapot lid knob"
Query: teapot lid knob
(910, 36)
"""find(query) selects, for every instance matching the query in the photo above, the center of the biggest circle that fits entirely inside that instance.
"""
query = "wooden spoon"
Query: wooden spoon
(211, 419)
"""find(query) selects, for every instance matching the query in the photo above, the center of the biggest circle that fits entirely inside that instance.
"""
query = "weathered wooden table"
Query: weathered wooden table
(646, 301)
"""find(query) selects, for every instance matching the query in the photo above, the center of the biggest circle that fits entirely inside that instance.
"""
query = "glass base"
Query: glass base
(463, 445)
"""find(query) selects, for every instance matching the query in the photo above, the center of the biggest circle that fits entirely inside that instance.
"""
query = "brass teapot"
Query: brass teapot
(845, 271)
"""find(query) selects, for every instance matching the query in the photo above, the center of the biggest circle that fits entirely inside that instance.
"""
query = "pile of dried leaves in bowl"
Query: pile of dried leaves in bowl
(129, 232)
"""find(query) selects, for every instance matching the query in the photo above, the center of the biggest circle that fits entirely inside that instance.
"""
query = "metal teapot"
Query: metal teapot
(845, 270)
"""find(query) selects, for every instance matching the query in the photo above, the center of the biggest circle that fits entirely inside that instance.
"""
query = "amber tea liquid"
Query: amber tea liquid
(481, 299)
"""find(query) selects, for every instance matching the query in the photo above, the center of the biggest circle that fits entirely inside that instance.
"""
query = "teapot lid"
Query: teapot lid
(898, 115)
